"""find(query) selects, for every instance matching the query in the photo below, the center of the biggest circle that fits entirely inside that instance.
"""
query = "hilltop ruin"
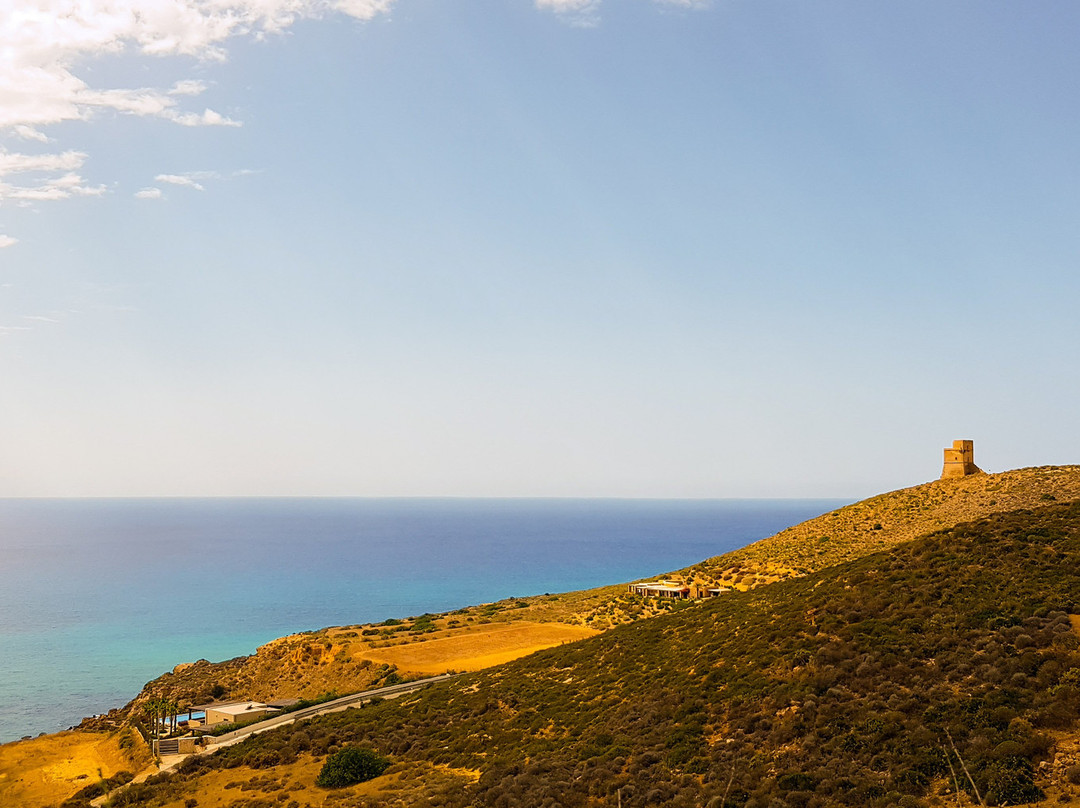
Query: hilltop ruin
(960, 460)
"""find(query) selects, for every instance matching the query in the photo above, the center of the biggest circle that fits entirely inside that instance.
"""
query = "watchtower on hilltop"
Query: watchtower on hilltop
(960, 460)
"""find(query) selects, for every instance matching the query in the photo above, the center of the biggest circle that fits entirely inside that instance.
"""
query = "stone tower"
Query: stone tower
(960, 460)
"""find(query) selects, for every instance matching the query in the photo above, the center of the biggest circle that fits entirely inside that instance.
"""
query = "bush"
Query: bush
(349, 766)
(1011, 782)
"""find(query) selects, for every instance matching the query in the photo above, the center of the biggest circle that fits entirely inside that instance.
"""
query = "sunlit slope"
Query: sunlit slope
(886, 520)
(46, 770)
(869, 683)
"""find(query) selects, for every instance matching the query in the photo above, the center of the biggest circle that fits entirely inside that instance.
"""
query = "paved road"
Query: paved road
(236, 736)
(319, 709)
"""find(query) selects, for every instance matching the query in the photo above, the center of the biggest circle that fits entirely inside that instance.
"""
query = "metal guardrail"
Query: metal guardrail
(327, 707)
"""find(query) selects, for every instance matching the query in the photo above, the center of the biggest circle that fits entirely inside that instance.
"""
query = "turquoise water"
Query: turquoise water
(99, 596)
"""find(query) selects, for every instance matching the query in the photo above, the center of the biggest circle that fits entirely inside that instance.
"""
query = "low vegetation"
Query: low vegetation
(349, 766)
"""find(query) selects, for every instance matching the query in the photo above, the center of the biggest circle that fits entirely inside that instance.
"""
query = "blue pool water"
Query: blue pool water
(99, 596)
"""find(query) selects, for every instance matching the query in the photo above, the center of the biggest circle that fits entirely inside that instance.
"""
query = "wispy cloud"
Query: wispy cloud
(190, 179)
(15, 163)
(586, 13)
(188, 87)
(30, 322)
(30, 133)
(64, 183)
(581, 13)
(7, 241)
(186, 180)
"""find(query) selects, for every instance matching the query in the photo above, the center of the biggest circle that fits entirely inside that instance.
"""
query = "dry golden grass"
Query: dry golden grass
(473, 648)
(47, 770)
(886, 520)
(405, 784)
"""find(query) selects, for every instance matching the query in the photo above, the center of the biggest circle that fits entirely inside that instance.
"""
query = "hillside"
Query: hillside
(345, 659)
(886, 520)
(47, 769)
(880, 681)
(350, 658)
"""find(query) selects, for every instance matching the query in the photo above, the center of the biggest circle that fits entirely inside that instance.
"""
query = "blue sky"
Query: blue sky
(403, 247)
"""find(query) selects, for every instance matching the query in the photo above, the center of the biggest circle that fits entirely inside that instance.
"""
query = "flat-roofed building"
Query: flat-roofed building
(235, 712)
(661, 589)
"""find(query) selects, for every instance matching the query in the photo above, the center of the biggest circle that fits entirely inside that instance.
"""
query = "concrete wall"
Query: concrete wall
(213, 717)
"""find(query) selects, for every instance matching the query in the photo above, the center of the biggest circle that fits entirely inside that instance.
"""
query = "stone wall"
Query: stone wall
(960, 460)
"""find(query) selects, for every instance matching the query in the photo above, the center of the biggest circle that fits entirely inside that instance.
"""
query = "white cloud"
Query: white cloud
(207, 118)
(582, 13)
(7, 241)
(62, 186)
(14, 162)
(190, 179)
(188, 87)
(185, 180)
(30, 133)
(363, 9)
(48, 47)
(46, 43)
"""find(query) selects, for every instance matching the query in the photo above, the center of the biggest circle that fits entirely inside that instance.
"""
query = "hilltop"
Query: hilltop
(885, 520)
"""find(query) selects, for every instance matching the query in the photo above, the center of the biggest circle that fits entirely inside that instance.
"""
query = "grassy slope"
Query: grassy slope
(840, 687)
(886, 520)
(45, 770)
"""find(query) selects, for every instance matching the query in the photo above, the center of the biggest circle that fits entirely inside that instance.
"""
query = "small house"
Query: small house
(235, 712)
(661, 589)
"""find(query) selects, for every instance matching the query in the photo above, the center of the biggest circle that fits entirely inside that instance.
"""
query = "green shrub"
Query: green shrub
(1010, 782)
(349, 766)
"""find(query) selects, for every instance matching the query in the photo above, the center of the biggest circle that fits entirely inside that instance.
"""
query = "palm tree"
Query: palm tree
(173, 709)
(152, 709)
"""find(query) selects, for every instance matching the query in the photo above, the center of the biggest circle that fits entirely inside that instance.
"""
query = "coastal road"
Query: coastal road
(170, 762)
(344, 702)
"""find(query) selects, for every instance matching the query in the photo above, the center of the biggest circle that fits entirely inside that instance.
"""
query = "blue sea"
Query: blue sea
(97, 597)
